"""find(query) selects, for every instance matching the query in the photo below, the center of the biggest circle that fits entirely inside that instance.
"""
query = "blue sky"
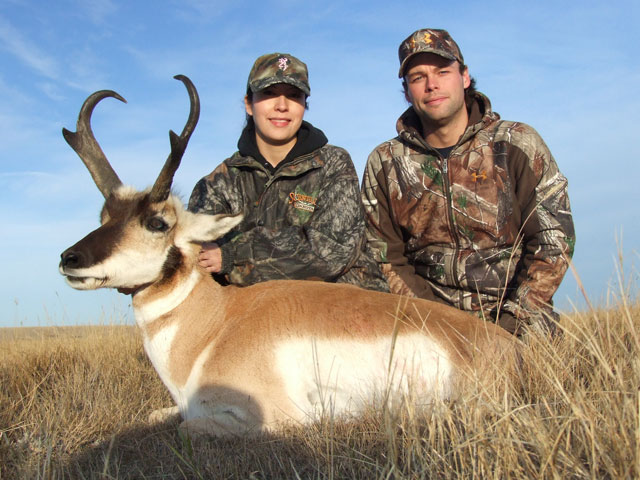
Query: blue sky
(569, 69)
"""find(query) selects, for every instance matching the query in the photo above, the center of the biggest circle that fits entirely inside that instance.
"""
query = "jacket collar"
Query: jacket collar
(309, 140)
(409, 127)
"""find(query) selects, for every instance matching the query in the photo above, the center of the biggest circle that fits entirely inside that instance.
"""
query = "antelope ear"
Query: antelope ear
(202, 227)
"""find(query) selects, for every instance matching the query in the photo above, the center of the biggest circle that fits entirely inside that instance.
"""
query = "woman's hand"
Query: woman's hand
(210, 257)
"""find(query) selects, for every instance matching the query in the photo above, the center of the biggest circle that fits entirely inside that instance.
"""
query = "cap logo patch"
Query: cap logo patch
(282, 63)
(427, 38)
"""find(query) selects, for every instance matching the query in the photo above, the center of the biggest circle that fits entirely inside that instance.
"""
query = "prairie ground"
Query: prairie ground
(74, 403)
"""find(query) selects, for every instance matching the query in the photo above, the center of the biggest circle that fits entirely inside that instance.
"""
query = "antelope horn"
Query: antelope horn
(87, 147)
(162, 186)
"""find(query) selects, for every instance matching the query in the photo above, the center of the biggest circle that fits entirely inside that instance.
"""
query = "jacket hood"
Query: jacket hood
(309, 140)
(409, 127)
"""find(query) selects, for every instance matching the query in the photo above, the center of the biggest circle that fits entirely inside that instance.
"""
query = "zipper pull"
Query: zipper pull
(444, 165)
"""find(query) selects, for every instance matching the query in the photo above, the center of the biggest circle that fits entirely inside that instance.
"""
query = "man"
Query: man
(463, 207)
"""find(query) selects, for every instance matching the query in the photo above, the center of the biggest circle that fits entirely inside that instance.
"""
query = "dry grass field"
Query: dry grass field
(74, 404)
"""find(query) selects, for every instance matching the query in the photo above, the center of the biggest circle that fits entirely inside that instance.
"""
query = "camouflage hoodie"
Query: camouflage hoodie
(303, 219)
(488, 228)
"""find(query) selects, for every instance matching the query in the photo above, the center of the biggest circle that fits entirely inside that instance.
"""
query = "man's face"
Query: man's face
(435, 88)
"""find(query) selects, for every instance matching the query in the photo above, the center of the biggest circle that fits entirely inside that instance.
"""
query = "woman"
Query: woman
(299, 195)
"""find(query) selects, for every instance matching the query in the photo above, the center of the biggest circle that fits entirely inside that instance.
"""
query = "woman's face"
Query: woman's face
(277, 112)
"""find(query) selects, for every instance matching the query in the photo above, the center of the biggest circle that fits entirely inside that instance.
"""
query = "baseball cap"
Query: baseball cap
(428, 40)
(275, 68)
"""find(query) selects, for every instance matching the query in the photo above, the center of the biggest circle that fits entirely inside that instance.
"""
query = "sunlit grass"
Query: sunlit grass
(75, 404)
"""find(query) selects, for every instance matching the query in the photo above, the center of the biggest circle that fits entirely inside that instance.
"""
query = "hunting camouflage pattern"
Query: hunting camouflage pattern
(302, 221)
(274, 68)
(488, 229)
(428, 40)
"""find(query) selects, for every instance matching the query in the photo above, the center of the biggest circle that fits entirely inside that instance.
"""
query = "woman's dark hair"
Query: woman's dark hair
(249, 118)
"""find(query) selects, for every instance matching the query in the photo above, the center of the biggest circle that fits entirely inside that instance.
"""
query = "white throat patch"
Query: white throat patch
(150, 311)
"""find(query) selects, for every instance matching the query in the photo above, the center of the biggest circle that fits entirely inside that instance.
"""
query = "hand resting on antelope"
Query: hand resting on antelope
(240, 360)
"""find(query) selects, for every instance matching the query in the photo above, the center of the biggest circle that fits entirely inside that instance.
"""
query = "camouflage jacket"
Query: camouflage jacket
(487, 229)
(302, 220)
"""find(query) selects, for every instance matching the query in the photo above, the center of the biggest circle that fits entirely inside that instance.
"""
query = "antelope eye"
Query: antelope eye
(157, 224)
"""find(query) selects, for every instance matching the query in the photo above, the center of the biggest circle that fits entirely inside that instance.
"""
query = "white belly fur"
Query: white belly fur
(328, 376)
(340, 377)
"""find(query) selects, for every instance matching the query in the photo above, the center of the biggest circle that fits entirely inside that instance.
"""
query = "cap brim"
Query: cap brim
(440, 53)
(267, 82)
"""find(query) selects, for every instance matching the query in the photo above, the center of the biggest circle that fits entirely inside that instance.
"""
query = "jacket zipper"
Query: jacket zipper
(448, 206)
(259, 216)
(450, 218)
(269, 182)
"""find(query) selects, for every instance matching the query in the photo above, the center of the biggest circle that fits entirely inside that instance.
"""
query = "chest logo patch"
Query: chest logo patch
(303, 202)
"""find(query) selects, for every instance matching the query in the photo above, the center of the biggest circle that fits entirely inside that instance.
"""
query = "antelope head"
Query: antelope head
(144, 236)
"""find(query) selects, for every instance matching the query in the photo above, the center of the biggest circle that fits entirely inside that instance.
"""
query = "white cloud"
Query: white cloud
(98, 11)
(14, 42)
(52, 90)
(202, 11)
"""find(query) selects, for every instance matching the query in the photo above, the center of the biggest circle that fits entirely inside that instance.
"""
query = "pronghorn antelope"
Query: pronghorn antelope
(242, 360)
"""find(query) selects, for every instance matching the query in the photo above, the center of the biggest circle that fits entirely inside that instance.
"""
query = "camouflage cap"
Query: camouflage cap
(275, 68)
(428, 40)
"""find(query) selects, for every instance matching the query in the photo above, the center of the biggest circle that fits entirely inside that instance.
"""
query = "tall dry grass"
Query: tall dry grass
(74, 405)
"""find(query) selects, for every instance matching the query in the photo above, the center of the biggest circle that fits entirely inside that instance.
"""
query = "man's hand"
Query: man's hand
(210, 257)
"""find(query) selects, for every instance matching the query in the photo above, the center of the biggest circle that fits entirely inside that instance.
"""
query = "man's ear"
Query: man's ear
(466, 79)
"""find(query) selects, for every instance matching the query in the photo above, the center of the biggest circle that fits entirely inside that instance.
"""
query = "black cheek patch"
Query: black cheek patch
(96, 246)
(100, 244)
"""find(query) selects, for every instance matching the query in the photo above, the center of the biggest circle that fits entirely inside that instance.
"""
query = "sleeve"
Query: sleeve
(209, 194)
(216, 194)
(547, 232)
(384, 236)
(323, 248)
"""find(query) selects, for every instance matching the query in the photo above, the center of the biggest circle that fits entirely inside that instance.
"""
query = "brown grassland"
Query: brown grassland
(74, 404)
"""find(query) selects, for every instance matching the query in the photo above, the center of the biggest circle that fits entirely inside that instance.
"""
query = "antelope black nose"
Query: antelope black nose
(69, 259)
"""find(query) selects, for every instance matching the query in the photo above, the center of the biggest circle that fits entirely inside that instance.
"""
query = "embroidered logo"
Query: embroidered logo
(479, 176)
(303, 202)
(282, 63)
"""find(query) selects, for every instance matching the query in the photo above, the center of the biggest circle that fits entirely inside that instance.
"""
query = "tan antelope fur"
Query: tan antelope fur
(244, 360)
